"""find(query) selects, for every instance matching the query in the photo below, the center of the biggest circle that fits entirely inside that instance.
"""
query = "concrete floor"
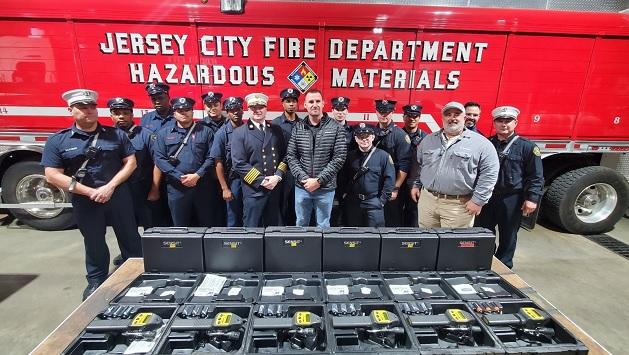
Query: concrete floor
(585, 281)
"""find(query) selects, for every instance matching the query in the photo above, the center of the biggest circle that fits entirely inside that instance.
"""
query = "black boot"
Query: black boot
(91, 287)
(118, 260)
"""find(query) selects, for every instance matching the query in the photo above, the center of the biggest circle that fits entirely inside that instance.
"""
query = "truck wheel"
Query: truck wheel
(25, 182)
(588, 200)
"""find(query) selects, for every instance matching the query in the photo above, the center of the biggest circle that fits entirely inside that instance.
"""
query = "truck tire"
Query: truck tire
(25, 182)
(588, 200)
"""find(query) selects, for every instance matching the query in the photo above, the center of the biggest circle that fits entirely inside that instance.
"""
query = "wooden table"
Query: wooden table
(72, 326)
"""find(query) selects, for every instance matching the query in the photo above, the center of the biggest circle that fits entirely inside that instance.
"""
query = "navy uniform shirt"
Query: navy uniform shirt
(520, 169)
(66, 150)
(221, 148)
(349, 136)
(193, 158)
(285, 125)
(397, 143)
(416, 138)
(256, 154)
(378, 181)
(154, 122)
(142, 140)
(214, 125)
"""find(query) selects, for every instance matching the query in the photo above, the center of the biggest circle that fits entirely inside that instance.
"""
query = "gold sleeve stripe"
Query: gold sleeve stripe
(251, 175)
(283, 167)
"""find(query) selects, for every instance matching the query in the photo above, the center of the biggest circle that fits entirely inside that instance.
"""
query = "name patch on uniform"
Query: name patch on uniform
(71, 149)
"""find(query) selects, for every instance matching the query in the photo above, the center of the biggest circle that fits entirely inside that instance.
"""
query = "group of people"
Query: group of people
(313, 170)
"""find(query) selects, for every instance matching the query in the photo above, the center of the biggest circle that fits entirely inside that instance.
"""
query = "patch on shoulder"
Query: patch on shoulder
(536, 151)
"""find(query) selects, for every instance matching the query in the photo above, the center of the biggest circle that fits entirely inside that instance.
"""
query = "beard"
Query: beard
(453, 128)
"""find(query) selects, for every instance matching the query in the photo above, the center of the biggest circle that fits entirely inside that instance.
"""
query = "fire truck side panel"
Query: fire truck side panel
(543, 76)
(478, 80)
(126, 73)
(36, 65)
(604, 112)
(252, 64)
(351, 62)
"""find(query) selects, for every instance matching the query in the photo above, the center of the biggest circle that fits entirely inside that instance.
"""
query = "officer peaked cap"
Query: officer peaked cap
(412, 110)
(156, 88)
(76, 96)
(289, 93)
(505, 112)
(363, 128)
(212, 97)
(340, 103)
(233, 103)
(182, 102)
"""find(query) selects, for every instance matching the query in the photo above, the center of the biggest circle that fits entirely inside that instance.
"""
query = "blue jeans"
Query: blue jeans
(319, 200)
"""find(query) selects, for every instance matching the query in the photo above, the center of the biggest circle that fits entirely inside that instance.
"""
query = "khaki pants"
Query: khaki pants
(440, 212)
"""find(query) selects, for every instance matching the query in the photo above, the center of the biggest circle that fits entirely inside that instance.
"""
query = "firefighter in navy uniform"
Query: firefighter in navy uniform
(141, 181)
(393, 140)
(93, 162)
(182, 153)
(230, 182)
(258, 152)
(154, 121)
(215, 120)
(340, 110)
(214, 110)
(286, 121)
(370, 176)
(520, 183)
(412, 113)
(163, 114)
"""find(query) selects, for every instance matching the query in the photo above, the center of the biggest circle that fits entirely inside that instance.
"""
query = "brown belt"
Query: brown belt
(448, 197)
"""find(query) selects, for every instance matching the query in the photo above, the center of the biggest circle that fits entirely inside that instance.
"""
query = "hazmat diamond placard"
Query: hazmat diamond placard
(303, 77)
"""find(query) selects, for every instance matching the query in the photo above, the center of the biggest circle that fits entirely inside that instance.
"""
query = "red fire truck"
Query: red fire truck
(566, 71)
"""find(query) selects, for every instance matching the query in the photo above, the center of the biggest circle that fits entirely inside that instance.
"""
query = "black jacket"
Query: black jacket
(319, 155)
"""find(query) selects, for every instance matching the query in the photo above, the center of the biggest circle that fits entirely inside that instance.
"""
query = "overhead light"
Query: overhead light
(377, 30)
(232, 6)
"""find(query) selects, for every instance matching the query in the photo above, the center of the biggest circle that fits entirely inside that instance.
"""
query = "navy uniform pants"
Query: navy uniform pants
(338, 218)
(504, 211)
(408, 207)
(215, 196)
(363, 213)
(393, 212)
(92, 219)
(139, 193)
(160, 212)
(287, 200)
(190, 207)
(234, 207)
(262, 211)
